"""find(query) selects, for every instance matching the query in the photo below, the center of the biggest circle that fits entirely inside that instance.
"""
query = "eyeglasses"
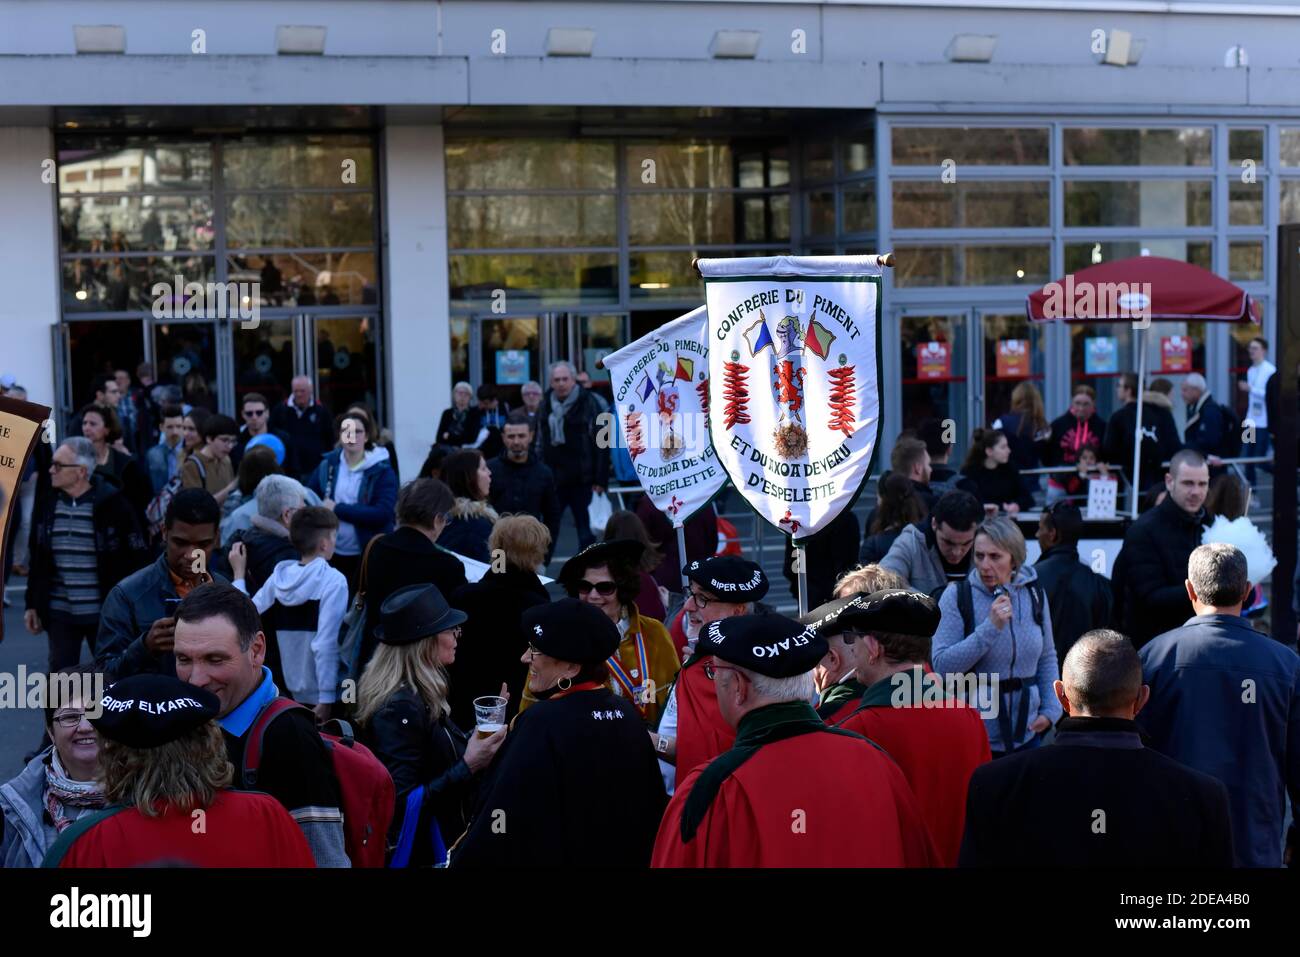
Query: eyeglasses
(60, 466)
(69, 719)
(700, 599)
(711, 671)
(254, 413)
(601, 588)
(533, 651)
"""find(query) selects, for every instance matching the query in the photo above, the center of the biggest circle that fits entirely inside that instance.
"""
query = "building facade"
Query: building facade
(455, 190)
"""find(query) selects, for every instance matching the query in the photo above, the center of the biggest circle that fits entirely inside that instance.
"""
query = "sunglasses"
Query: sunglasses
(254, 413)
(601, 588)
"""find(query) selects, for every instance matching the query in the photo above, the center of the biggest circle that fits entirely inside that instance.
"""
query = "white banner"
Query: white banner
(661, 389)
(794, 362)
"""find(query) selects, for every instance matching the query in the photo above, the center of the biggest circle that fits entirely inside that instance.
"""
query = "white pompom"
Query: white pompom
(1242, 534)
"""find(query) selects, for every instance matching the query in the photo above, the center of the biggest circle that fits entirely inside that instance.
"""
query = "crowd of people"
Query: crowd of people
(364, 672)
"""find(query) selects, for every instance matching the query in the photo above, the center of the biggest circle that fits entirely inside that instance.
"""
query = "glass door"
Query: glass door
(345, 362)
(934, 359)
(1099, 354)
(506, 351)
(263, 359)
(185, 356)
(1012, 351)
(598, 336)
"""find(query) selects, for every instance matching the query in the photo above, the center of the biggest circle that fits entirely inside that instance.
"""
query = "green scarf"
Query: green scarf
(766, 725)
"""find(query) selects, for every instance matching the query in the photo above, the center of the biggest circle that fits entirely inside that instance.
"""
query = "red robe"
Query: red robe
(938, 749)
(239, 829)
(701, 733)
(815, 800)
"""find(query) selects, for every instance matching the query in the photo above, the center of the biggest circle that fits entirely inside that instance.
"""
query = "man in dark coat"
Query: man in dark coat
(1152, 565)
(827, 556)
(1159, 434)
(1225, 700)
(267, 543)
(309, 425)
(570, 423)
(1096, 797)
(256, 412)
(1079, 598)
(521, 482)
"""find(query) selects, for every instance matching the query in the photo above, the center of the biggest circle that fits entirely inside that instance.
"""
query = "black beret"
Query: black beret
(571, 630)
(146, 711)
(731, 578)
(623, 551)
(897, 611)
(769, 644)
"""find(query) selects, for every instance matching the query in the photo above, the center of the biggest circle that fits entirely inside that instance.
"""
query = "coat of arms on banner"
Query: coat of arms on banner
(794, 351)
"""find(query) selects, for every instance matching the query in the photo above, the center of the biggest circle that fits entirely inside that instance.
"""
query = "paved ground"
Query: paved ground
(20, 728)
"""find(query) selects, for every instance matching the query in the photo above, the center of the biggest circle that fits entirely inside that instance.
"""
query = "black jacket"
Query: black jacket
(120, 547)
(525, 488)
(492, 640)
(457, 431)
(404, 556)
(1206, 429)
(1079, 598)
(1095, 798)
(1152, 567)
(875, 547)
(576, 784)
(830, 553)
(579, 461)
(264, 550)
(417, 750)
(700, 533)
(1159, 441)
(132, 478)
(998, 486)
(310, 431)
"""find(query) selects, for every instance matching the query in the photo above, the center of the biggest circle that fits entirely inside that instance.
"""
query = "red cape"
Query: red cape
(938, 749)
(816, 800)
(240, 829)
(701, 733)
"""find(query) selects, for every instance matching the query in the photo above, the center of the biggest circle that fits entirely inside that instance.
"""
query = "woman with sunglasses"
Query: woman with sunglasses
(577, 783)
(404, 718)
(642, 668)
(58, 785)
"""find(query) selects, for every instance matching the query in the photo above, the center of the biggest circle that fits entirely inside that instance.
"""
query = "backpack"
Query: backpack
(156, 511)
(1230, 447)
(366, 789)
(966, 605)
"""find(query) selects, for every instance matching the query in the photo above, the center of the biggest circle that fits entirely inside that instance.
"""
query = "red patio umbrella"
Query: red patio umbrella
(1141, 290)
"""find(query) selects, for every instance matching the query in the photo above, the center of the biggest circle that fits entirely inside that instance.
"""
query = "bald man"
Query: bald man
(309, 425)
(1096, 797)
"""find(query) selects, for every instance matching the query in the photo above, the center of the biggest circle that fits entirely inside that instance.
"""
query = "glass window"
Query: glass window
(309, 279)
(1246, 144)
(933, 371)
(667, 276)
(821, 213)
(1246, 260)
(300, 220)
(1082, 255)
(335, 161)
(346, 363)
(972, 265)
(561, 278)
(514, 220)
(970, 205)
(96, 346)
(1116, 338)
(1289, 203)
(1289, 154)
(859, 200)
(114, 165)
(970, 146)
(132, 223)
(1245, 203)
(98, 284)
(601, 335)
(1146, 203)
(1184, 146)
(1021, 348)
(675, 219)
(508, 163)
(701, 164)
(459, 349)
(765, 219)
(818, 160)
(858, 153)
(185, 355)
(263, 361)
(510, 354)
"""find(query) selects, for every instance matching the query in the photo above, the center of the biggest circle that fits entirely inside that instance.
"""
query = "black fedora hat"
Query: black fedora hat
(415, 612)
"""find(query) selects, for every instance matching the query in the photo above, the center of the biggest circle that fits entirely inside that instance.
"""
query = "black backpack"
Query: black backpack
(966, 605)
(1230, 447)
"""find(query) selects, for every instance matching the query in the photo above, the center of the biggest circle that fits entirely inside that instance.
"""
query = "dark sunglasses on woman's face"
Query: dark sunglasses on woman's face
(602, 588)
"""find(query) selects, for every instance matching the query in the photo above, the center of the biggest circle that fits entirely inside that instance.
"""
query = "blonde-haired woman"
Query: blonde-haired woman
(996, 625)
(494, 638)
(1027, 431)
(404, 718)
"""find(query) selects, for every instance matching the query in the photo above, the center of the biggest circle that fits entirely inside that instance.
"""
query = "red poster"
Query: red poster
(1175, 354)
(1013, 358)
(933, 360)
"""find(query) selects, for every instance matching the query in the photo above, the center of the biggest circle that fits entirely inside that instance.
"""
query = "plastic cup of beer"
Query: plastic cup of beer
(489, 715)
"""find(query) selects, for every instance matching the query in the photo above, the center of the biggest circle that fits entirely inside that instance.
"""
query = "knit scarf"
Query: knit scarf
(559, 409)
(62, 792)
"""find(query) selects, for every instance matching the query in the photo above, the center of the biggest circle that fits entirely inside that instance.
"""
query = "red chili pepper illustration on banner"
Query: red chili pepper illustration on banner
(702, 390)
(735, 393)
(635, 438)
(843, 397)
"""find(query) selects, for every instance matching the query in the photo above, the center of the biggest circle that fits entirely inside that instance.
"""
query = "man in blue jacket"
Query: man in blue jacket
(1225, 700)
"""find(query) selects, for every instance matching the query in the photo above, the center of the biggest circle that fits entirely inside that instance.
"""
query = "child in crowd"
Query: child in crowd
(303, 603)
